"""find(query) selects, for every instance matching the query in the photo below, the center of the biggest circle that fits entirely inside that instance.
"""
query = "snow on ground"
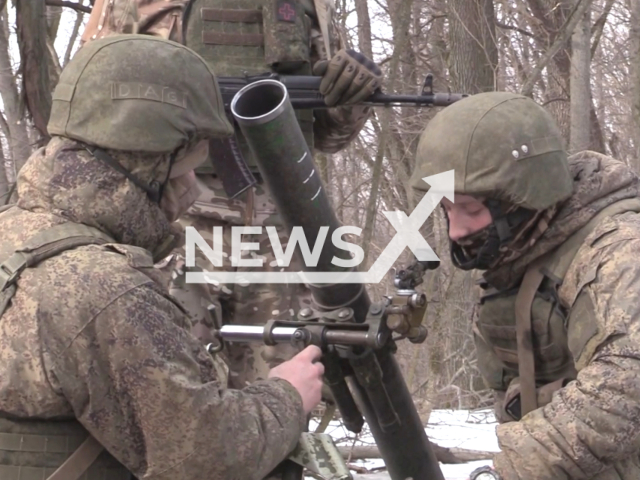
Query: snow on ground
(474, 430)
(463, 429)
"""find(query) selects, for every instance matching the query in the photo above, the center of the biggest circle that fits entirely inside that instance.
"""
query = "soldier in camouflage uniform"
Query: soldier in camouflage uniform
(94, 353)
(237, 38)
(558, 329)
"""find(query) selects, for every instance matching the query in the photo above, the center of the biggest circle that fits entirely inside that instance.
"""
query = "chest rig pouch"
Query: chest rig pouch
(250, 37)
(496, 325)
(239, 38)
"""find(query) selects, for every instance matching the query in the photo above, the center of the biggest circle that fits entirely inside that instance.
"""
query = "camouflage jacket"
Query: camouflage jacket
(333, 128)
(91, 334)
(589, 430)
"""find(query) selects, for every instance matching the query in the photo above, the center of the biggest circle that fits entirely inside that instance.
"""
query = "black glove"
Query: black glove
(348, 78)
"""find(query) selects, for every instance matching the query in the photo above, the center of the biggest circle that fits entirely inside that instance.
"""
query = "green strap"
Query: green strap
(41, 246)
(524, 337)
(79, 461)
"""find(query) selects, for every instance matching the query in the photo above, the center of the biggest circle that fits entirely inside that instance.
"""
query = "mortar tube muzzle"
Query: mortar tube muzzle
(259, 102)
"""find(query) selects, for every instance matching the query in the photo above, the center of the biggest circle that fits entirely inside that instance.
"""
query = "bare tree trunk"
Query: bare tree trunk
(54, 13)
(321, 160)
(74, 36)
(555, 22)
(400, 30)
(364, 27)
(474, 52)
(31, 26)
(17, 136)
(580, 138)
(597, 113)
(4, 182)
(634, 78)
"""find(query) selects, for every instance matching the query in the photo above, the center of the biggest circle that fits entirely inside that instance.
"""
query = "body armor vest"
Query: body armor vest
(34, 450)
(496, 323)
(250, 37)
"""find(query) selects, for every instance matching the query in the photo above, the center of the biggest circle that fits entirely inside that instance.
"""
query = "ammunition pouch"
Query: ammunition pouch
(250, 36)
(286, 35)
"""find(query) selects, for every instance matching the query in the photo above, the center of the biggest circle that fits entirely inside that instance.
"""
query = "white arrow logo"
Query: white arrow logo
(407, 235)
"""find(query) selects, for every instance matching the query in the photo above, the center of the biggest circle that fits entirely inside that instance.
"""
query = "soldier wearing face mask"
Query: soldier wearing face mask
(558, 327)
(99, 375)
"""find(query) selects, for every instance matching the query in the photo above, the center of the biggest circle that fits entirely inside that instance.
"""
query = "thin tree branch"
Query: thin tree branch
(63, 3)
(517, 29)
(598, 26)
(570, 26)
(557, 99)
(4, 126)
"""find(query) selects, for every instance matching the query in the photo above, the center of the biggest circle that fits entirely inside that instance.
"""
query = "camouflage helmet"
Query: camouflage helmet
(137, 93)
(502, 146)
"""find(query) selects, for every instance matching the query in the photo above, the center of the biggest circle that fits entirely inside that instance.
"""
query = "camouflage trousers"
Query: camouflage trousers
(211, 304)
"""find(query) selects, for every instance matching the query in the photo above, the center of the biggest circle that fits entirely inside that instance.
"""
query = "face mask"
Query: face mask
(473, 242)
(181, 190)
(476, 251)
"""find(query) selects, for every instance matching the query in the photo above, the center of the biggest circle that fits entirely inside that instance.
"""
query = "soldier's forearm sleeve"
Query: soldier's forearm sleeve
(147, 391)
(594, 422)
(335, 128)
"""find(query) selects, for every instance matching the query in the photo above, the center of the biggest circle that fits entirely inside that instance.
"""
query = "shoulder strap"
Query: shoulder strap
(526, 362)
(79, 461)
(43, 245)
(324, 12)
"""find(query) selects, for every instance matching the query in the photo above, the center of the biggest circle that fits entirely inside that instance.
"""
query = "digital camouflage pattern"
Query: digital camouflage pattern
(316, 451)
(161, 18)
(495, 342)
(91, 334)
(588, 428)
(328, 130)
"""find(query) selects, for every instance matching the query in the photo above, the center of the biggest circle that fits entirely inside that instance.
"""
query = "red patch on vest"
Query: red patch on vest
(285, 11)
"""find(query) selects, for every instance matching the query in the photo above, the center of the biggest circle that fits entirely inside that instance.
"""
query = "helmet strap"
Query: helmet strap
(153, 190)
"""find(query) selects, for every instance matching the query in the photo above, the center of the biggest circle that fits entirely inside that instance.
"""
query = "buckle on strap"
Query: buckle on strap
(11, 269)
